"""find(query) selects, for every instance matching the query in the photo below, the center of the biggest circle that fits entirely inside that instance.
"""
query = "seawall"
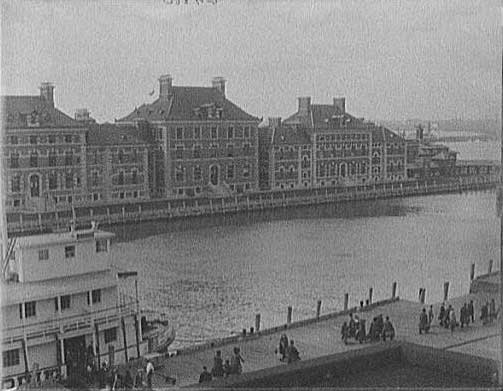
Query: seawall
(20, 223)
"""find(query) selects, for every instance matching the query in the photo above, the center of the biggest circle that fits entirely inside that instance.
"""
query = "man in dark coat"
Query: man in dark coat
(205, 376)
(471, 311)
(423, 322)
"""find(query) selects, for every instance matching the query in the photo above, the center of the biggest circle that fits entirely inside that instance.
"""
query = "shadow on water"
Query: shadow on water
(347, 210)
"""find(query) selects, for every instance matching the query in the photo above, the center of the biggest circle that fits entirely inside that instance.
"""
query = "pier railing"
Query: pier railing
(175, 208)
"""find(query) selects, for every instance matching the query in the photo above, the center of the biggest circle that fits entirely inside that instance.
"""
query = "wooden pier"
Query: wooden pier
(316, 338)
(151, 210)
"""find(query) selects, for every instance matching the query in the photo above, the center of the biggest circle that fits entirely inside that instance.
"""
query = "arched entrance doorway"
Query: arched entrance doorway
(34, 186)
(214, 175)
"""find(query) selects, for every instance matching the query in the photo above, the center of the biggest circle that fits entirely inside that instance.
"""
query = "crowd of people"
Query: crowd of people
(447, 316)
(220, 369)
(380, 329)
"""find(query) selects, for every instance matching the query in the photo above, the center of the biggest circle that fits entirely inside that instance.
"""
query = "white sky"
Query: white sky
(390, 59)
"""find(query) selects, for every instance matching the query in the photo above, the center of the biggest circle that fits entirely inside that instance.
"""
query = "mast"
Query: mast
(4, 242)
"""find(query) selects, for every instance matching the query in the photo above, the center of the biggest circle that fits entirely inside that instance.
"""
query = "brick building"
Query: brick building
(208, 145)
(117, 163)
(330, 148)
(44, 153)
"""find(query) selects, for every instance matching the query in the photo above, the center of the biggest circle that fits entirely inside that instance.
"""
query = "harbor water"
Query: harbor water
(211, 275)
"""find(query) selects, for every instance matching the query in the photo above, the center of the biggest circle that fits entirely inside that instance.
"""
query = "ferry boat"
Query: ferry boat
(64, 306)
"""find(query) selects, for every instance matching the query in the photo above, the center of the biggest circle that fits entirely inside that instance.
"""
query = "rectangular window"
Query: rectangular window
(43, 254)
(14, 160)
(246, 171)
(134, 176)
(197, 151)
(56, 304)
(179, 133)
(30, 309)
(68, 138)
(179, 152)
(65, 302)
(230, 150)
(197, 174)
(246, 132)
(230, 171)
(68, 158)
(13, 140)
(214, 132)
(52, 159)
(246, 148)
(33, 139)
(96, 296)
(16, 184)
(95, 179)
(69, 251)
(69, 180)
(53, 181)
(230, 133)
(110, 335)
(34, 159)
(179, 174)
(101, 246)
(10, 358)
(52, 139)
(197, 132)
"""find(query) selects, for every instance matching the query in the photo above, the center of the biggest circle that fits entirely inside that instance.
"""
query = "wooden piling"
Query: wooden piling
(318, 309)
(446, 290)
(490, 266)
(257, 322)
(472, 272)
(346, 301)
(289, 316)
(370, 295)
(393, 290)
(422, 295)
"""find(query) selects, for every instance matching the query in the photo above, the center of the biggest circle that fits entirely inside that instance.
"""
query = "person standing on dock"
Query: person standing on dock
(471, 311)
(150, 373)
(441, 314)
(218, 368)
(424, 324)
(452, 319)
(236, 361)
(492, 311)
(292, 353)
(431, 315)
(388, 331)
(205, 376)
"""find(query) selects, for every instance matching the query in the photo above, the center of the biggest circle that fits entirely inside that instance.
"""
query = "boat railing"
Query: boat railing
(84, 320)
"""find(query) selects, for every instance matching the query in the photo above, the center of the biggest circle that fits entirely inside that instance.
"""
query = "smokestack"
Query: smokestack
(219, 83)
(340, 105)
(47, 93)
(165, 86)
(274, 122)
(304, 106)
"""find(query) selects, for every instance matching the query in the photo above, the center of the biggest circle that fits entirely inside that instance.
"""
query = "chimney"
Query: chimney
(340, 105)
(47, 93)
(82, 115)
(304, 106)
(219, 83)
(274, 122)
(165, 86)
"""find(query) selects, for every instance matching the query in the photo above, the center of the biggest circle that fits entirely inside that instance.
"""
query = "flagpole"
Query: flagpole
(500, 191)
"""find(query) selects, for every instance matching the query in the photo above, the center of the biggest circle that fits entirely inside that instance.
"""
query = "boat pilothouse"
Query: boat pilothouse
(62, 307)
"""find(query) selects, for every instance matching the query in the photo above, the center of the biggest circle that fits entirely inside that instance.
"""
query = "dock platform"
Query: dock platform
(318, 338)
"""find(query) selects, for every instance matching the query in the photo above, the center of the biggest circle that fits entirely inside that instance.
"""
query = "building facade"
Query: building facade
(208, 145)
(44, 153)
(117, 164)
(323, 145)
